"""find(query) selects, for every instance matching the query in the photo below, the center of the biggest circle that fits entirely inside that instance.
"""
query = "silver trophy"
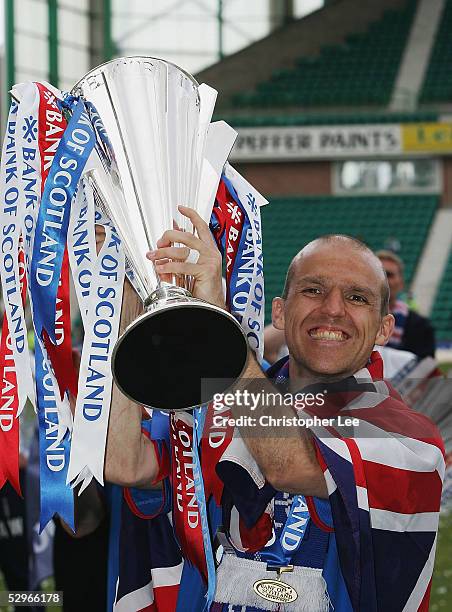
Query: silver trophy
(151, 121)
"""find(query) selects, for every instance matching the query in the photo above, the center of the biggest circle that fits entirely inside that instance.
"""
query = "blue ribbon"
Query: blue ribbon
(52, 223)
(281, 552)
(199, 418)
(56, 495)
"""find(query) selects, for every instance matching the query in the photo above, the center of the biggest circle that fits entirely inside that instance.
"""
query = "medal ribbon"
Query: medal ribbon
(281, 551)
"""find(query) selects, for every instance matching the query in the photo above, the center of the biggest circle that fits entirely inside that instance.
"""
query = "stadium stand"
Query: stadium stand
(362, 71)
(290, 223)
(437, 86)
(328, 118)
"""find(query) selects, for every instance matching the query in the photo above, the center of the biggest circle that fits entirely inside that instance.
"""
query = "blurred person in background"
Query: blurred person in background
(412, 332)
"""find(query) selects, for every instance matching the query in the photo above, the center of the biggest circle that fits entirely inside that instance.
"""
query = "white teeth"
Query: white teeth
(327, 335)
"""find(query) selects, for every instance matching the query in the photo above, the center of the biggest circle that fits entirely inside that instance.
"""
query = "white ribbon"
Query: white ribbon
(253, 312)
(95, 380)
(20, 188)
(81, 241)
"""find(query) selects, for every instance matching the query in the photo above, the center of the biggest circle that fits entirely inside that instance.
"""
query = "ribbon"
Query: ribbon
(15, 165)
(9, 401)
(280, 552)
(187, 520)
(52, 124)
(214, 442)
(199, 417)
(56, 495)
(250, 264)
(236, 225)
(95, 382)
(82, 245)
(52, 223)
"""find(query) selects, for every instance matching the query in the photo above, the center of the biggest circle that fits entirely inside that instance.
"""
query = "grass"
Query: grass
(445, 367)
(441, 596)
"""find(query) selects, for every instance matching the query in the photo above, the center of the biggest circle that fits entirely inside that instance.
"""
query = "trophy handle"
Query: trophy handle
(178, 357)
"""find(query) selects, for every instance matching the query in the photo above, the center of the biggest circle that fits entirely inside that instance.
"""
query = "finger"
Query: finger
(186, 238)
(198, 223)
(178, 267)
(164, 260)
(180, 253)
(163, 242)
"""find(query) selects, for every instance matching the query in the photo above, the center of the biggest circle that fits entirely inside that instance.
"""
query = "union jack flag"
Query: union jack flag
(384, 484)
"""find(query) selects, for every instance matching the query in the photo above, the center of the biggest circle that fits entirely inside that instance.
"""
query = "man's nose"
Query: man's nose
(333, 303)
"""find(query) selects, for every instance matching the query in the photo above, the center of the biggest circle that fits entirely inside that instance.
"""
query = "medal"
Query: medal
(275, 590)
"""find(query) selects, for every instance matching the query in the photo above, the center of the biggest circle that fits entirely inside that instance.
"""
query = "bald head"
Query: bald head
(342, 241)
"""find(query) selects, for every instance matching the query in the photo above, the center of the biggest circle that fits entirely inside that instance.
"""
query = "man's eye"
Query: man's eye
(312, 290)
(360, 299)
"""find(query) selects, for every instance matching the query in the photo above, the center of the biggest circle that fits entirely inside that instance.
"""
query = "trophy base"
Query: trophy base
(177, 357)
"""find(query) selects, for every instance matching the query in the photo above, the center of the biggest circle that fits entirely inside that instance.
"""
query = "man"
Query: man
(412, 332)
(329, 516)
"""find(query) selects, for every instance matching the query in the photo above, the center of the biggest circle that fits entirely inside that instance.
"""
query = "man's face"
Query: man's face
(332, 314)
(394, 276)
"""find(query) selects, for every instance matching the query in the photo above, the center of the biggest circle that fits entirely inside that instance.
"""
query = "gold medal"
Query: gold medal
(276, 591)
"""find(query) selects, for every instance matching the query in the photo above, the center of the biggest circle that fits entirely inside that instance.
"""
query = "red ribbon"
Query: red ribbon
(214, 442)
(51, 128)
(230, 220)
(9, 400)
(186, 516)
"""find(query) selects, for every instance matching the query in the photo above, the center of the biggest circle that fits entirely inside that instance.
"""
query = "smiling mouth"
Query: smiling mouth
(322, 333)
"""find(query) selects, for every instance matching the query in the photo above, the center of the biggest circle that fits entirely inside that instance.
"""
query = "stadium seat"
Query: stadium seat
(359, 72)
(290, 223)
(437, 85)
(316, 118)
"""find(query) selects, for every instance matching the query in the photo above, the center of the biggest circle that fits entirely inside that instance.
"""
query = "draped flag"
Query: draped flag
(384, 485)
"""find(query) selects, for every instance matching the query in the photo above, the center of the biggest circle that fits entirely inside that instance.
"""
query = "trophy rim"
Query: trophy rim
(126, 57)
(153, 312)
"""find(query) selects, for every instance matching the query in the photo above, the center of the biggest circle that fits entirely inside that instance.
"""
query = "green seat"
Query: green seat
(359, 72)
(289, 223)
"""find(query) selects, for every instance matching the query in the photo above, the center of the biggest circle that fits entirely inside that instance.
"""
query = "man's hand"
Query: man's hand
(206, 272)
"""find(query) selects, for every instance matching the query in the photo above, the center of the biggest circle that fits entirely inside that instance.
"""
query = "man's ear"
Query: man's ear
(386, 329)
(278, 313)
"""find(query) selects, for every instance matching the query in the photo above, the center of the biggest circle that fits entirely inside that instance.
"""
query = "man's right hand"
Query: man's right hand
(206, 271)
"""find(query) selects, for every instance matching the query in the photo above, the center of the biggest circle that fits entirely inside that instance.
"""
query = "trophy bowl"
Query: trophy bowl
(151, 120)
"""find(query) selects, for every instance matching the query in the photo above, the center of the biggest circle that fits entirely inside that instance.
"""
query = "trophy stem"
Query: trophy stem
(167, 293)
